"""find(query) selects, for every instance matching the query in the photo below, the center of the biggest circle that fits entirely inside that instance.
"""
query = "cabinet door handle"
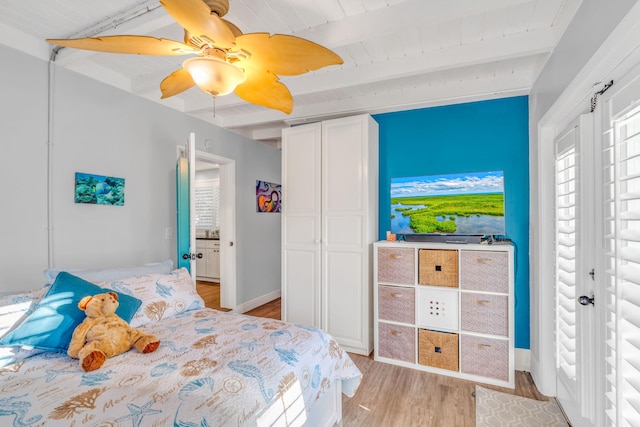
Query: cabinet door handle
(395, 295)
(483, 302)
(395, 256)
(395, 333)
(483, 260)
(483, 346)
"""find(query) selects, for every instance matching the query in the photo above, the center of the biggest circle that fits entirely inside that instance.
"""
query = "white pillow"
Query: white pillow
(110, 274)
(14, 309)
(162, 295)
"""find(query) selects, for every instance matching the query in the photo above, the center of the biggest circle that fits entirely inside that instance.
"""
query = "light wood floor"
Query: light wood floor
(395, 396)
(210, 293)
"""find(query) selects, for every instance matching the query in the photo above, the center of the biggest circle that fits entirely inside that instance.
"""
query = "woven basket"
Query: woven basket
(484, 271)
(397, 265)
(485, 357)
(397, 342)
(438, 267)
(438, 349)
(485, 313)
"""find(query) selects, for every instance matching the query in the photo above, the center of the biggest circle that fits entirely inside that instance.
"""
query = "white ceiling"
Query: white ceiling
(398, 54)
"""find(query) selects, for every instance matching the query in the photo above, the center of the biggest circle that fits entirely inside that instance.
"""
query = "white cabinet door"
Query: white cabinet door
(213, 262)
(301, 225)
(329, 223)
(345, 252)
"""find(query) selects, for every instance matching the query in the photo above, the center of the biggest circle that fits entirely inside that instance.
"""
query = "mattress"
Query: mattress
(211, 369)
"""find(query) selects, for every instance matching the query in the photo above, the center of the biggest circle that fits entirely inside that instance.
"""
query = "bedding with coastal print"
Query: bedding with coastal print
(211, 369)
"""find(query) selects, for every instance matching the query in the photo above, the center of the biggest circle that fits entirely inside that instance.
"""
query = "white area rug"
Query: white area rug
(495, 409)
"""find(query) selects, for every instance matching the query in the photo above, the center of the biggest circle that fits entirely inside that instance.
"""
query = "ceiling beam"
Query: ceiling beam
(268, 133)
(477, 81)
(337, 78)
(407, 14)
(95, 71)
(16, 39)
(143, 24)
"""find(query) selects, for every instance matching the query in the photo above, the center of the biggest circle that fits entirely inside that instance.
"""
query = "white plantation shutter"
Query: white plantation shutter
(621, 241)
(207, 195)
(565, 245)
(216, 205)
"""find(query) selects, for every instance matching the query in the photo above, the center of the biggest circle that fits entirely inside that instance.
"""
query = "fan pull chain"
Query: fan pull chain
(214, 107)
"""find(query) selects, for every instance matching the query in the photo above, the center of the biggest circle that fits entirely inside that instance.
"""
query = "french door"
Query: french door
(620, 162)
(597, 261)
(574, 271)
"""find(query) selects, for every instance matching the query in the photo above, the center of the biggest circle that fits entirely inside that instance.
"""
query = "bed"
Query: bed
(211, 369)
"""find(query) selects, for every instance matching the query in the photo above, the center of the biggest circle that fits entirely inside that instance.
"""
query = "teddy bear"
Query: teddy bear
(104, 334)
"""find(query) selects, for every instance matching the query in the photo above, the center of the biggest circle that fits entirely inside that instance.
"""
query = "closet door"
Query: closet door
(346, 235)
(301, 224)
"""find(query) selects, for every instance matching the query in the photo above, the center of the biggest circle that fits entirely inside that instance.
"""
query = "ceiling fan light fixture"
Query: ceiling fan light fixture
(214, 75)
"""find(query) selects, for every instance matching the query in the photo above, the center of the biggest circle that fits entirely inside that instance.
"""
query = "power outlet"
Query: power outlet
(168, 233)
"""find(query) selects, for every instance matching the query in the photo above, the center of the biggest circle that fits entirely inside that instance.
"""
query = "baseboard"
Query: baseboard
(544, 381)
(522, 359)
(256, 302)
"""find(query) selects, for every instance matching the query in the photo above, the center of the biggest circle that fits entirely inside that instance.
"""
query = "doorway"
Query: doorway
(611, 219)
(217, 236)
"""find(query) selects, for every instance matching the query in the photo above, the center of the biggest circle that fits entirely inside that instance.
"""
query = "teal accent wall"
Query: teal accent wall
(472, 137)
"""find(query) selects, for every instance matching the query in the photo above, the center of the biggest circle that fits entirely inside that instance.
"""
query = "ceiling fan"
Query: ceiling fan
(226, 60)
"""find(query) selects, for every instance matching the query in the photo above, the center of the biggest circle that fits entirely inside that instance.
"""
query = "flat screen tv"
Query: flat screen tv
(454, 204)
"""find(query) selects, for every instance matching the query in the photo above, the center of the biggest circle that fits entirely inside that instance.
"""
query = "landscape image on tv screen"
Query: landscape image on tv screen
(463, 203)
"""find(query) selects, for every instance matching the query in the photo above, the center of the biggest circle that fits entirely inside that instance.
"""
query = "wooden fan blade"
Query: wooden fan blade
(177, 82)
(196, 17)
(285, 55)
(142, 45)
(263, 88)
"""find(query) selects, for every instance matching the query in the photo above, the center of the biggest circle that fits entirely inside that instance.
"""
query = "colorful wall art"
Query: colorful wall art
(268, 197)
(99, 190)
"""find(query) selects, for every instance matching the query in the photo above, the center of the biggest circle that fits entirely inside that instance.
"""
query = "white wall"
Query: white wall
(592, 24)
(103, 130)
(23, 171)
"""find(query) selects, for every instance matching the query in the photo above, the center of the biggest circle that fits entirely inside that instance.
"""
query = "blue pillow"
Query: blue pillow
(52, 323)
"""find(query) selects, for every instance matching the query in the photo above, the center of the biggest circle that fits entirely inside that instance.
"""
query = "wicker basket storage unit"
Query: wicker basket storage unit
(438, 267)
(438, 349)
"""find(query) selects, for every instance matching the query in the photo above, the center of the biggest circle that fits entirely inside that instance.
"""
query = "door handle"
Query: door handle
(585, 300)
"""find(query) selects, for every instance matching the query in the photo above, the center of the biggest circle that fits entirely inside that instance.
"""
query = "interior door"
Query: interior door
(301, 225)
(574, 260)
(185, 208)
